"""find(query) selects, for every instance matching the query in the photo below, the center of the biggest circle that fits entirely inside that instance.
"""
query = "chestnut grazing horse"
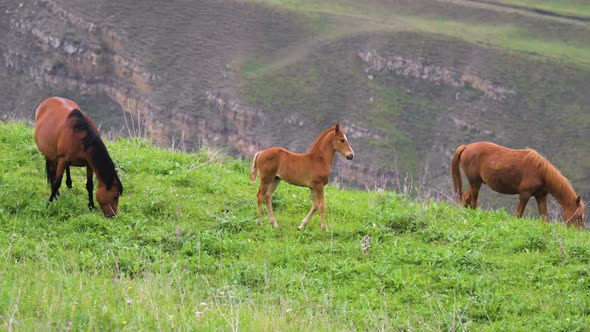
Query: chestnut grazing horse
(68, 137)
(514, 172)
(311, 169)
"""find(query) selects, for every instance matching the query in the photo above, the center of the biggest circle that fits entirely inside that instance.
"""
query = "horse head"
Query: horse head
(341, 143)
(574, 215)
(108, 197)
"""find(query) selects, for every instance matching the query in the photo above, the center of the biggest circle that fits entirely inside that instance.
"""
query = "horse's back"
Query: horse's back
(483, 152)
(51, 125)
(290, 166)
(270, 158)
(503, 169)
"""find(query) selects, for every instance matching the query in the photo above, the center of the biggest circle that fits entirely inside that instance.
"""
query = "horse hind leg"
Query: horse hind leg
(265, 193)
(68, 178)
(523, 199)
(50, 170)
(471, 195)
(470, 200)
(61, 166)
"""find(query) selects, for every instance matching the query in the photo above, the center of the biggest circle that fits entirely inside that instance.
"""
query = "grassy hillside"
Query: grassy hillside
(186, 253)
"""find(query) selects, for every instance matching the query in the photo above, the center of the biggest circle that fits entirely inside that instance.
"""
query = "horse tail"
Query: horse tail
(254, 169)
(456, 174)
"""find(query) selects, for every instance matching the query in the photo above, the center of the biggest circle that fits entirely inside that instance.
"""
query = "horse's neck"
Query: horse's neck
(98, 159)
(561, 189)
(324, 150)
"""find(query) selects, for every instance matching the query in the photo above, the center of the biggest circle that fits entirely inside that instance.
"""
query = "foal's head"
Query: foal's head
(341, 143)
(574, 215)
(108, 197)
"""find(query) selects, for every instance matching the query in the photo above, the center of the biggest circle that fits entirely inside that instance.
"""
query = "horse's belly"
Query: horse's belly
(502, 180)
(505, 189)
(293, 180)
(79, 163)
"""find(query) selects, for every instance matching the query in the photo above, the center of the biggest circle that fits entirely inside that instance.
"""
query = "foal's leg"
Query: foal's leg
(89, 186)
(265, 191)
(523, 199)
(322, 207)
(314, 207)
(542, 204)
(269, 192)
(260, 198)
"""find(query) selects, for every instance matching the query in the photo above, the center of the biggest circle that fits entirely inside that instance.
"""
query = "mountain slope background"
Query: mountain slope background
(409, 80)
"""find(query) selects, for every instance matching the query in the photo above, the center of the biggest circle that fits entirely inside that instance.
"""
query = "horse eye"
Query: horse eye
(342, 141)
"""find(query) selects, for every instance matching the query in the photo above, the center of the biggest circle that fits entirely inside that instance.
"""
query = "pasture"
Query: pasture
(185, 253)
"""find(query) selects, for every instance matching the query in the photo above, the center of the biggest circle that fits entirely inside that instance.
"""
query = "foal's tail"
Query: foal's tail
(456, 174)
(254, 170)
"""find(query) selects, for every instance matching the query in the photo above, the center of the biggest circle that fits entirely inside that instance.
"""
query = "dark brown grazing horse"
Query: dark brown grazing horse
(514, 172)
(68, 137)
(311, 169)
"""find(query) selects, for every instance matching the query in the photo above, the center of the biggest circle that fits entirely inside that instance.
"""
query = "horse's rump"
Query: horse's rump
(253, 169)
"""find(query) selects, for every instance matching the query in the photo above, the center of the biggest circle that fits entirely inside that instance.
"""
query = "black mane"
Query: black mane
(92, 143)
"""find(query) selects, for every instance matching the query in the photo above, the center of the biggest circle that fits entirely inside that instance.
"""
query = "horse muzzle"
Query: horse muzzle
(350, 156)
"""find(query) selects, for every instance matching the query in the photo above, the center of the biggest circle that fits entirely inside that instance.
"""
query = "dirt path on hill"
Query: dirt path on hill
(530, 10)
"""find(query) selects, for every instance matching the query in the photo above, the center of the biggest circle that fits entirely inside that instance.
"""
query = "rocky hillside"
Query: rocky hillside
(409, 80)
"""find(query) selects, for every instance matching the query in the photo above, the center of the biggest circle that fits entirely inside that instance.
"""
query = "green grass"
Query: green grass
(186, 253)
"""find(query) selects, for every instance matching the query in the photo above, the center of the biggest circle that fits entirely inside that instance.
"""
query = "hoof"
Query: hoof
(300, 228)
(275, 225)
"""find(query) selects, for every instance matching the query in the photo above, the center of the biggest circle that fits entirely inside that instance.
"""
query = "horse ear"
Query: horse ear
(337, 127)
(578, 199)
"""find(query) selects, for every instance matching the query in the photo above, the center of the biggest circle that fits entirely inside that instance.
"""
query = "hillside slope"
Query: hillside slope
(409, 80)
(185, 252)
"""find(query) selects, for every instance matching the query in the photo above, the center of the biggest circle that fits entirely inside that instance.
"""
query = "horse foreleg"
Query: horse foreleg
(542, 204)
(322, 207)
(523, 199)
(89, 186)
(61, 166)
(314, 208)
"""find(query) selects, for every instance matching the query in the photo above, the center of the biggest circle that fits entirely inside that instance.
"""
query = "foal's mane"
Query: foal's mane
(319, 139)
(93, 144)
(558, 184)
